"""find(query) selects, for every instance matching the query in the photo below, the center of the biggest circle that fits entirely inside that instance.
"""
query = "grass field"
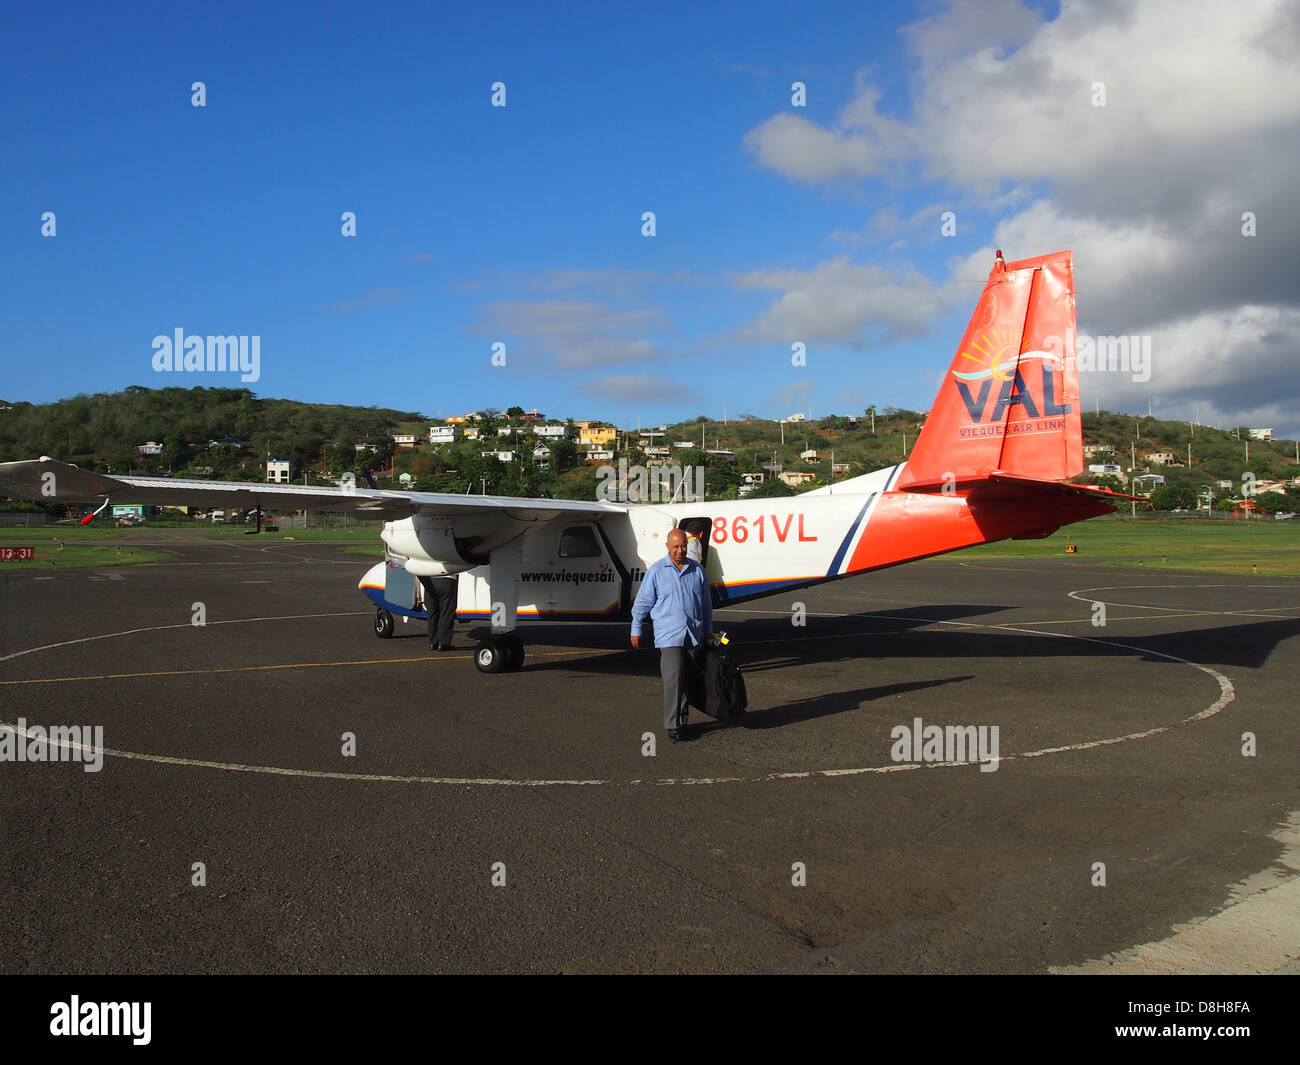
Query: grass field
(95, 546)
(1263, 547)
(51, 555)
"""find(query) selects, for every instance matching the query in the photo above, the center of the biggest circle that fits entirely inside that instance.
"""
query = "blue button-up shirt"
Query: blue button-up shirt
(677, 601)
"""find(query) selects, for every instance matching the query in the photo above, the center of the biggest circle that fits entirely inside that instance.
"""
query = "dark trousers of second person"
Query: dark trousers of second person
(678, 666)
(440, 602)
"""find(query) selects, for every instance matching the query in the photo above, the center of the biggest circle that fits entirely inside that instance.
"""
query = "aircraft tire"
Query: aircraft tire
(383, 623)
(514, 648)
(491, 657)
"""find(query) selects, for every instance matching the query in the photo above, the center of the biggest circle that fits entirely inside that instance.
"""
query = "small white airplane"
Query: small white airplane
(992, 462)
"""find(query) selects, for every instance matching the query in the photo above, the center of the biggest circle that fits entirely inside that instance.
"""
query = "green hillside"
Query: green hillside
(227, 433)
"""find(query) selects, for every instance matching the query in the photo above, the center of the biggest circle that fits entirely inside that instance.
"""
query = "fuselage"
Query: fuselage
(592, 567)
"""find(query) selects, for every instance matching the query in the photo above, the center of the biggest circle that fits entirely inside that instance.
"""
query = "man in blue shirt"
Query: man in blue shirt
(675, 595)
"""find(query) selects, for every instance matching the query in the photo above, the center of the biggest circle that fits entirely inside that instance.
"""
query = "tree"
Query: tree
(772, 488)
(1271, 503)
(1174, 497)
(563, 453)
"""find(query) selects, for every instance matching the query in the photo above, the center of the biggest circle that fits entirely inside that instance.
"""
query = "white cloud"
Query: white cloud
(842, 302)
(1200, 124)
(640, 388)
(369, 301)
(792, 398)
(572, 335)
(862, 143)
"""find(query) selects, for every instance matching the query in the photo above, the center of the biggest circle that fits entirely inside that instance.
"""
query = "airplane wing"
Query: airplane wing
(47, 480)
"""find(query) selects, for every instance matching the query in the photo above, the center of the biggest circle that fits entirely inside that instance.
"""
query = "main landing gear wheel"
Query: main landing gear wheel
(499, 653)
(383, 623)
(514, 650)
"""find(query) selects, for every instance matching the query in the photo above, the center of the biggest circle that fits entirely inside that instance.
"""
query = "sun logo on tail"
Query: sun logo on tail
(993, 357)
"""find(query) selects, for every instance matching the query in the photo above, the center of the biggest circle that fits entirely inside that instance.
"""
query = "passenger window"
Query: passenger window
(579, 541)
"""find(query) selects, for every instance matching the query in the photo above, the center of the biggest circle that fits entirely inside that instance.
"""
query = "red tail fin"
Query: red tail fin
(1010, 401)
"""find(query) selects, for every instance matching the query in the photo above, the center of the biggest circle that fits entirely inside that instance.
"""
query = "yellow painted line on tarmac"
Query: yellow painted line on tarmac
(282, 665)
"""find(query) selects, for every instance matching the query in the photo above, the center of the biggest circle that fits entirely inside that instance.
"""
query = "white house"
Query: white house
(151, 447)
(550, 431)
(443, 434)
(503, 456)
(277, 471)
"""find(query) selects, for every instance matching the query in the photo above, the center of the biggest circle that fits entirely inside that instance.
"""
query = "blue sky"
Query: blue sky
(523, 224)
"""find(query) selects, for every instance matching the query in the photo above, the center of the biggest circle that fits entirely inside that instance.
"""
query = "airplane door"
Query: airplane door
(700, 527)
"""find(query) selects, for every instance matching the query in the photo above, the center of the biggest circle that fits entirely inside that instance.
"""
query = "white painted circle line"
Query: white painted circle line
(182, 625)
(1080, 595)
(1227, 693)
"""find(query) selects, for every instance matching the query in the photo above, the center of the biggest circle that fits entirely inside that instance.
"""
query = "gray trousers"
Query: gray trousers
(675, 665)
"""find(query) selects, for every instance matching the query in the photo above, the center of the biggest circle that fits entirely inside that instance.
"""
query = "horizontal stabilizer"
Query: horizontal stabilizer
(1001, 485)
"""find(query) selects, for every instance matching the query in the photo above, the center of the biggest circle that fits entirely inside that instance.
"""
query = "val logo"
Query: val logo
(995, 365)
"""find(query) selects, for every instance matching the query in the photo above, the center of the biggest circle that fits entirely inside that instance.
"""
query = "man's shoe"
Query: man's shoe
(681, 734)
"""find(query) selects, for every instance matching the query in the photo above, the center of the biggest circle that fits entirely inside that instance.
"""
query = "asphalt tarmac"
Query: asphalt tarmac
(516, 823)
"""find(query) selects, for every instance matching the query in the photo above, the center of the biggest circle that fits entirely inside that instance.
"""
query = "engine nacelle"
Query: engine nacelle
(434, 545)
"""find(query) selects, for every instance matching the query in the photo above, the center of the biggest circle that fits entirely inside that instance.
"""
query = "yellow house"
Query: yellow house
(594, 437)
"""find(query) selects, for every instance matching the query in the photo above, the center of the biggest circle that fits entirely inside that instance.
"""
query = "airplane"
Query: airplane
(992, 462)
